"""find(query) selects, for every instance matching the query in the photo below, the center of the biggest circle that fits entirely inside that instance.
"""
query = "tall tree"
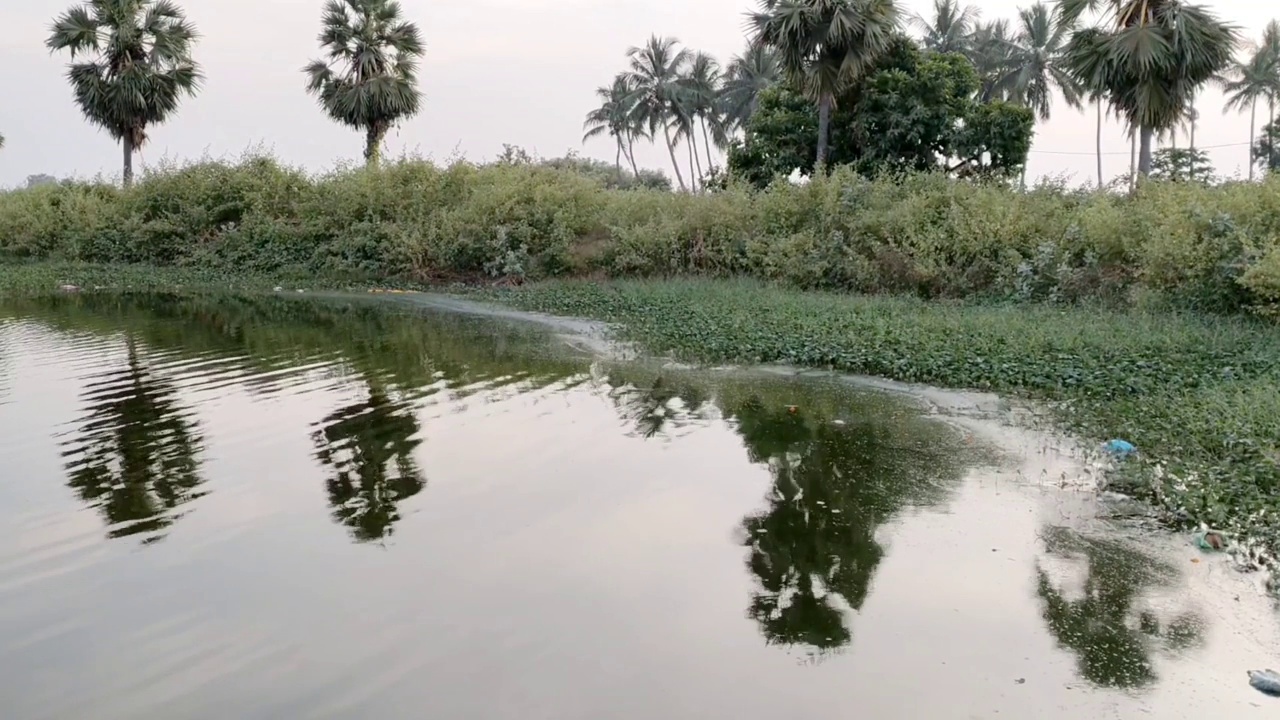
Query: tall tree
(136, 69)
(950, 29)
(376, 52)
(1149, 57)
(613, 117)
(1037, 69)
(655, 69)
(702, 85)
(825, 45)
(1244, 83)
(748, 75)
(990, 50)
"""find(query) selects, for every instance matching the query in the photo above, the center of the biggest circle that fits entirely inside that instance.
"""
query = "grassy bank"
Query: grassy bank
(1216, 249)
(1200, 397)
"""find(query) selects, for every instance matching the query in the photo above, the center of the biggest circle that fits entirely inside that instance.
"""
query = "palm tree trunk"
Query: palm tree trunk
(824, 129)
(693, 159)
(706, 145)
(1133, 158)
(617, 157)
(373, 145)
(127, 144)
(1144, 151)
(1253, 119)
(1098, 143)
(671, 150)
(631, 156)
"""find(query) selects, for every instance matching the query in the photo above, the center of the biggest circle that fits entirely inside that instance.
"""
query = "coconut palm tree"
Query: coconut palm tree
(991, 47)
(824, 45)
(136, 65)
(613, 117)
(1036, 62)
(748, 75)
(702, 86)
(950, 29)
(1148, 57)
(655, 72)
(1036, 71)
(1270, 49)
(1246, 82)
(375, 85)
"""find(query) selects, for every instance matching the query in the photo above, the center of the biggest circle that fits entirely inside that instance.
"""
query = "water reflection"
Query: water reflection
(813, 548)
(843, 463)
(1105, 625)
(368, 448)
(135, 455)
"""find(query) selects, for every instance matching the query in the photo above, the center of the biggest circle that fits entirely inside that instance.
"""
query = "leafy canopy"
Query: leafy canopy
(915, 112)
(376, 56)
(1147, 57)
(136, 64)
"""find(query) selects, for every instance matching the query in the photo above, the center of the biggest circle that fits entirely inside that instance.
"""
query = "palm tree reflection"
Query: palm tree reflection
(369, 447)
(136, 454)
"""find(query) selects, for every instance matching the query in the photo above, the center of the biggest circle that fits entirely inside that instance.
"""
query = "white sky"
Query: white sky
(496, 71)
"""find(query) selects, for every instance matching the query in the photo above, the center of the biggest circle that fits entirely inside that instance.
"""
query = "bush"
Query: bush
(1185, 244)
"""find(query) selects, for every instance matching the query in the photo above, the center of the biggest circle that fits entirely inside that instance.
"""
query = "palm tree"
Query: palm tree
(654, 75)
(1244, 83)
(748, 75)
(1270, 49)
(137, 65)
(377, 52)
(614, 118)
(950, 30)
(702, 85)
(824, 45)
(1148, 57)
(1037, 69)
(991, 47)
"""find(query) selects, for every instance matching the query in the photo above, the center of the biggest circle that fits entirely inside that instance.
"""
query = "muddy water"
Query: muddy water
(274, 508)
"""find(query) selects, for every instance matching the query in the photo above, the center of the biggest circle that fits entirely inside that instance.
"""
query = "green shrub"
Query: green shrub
(1181, 244)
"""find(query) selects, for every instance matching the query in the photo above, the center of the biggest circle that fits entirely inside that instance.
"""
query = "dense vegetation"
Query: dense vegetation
(1194, 246)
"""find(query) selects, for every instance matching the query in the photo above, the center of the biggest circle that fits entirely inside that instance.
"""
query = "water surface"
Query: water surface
(266, 508)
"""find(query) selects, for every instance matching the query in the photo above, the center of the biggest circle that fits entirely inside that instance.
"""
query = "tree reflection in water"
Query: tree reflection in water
(1106, 627)
(135, 455)
(368, 447)
(843, 463)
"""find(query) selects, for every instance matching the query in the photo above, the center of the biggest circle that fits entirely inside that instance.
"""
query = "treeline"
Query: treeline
(1143, 62)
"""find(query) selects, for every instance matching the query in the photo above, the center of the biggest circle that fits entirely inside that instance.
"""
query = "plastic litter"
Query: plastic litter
(1265, 681)
(1121, 448)
(1211, 540)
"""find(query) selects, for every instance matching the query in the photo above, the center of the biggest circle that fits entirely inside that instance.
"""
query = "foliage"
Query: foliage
(1266, 152)
(951, 28)
(824, 45)
(376, 85)
(137, 65)
(924, 234)
(1148, 58)
(913, 112)
(1198, 396)
(1182, 165)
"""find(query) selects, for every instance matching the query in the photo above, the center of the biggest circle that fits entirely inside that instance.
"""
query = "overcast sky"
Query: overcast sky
(496, 71)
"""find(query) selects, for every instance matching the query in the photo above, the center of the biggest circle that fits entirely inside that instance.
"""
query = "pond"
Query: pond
(268, 507)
